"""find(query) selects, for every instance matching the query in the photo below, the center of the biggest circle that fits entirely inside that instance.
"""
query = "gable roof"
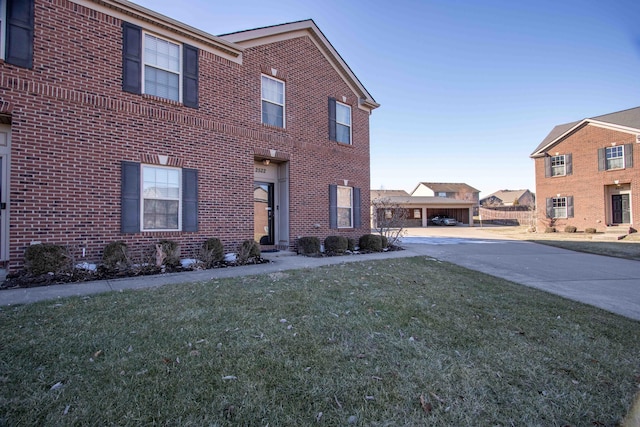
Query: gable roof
(624, 121)
(265, 35)
(506, 195)
(380, 194)
(447, 187)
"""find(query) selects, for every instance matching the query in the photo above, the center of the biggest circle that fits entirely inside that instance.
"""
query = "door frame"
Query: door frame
(5, 165)
(618, 190)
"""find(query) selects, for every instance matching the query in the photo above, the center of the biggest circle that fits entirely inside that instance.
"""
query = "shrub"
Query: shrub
(351, 244)
(308, 246)
(167, 253)
(590, 230)
(249, 250)
(45, 258)
(212, 252)
(570, 229)
(336, 244)
(115, 256)
(371, 242)
(550, 230)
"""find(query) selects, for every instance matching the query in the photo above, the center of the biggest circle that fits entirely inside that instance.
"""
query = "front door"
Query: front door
(620, 209)
(264, 218)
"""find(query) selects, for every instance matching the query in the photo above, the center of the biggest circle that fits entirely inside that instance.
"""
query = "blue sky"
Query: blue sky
(468, 88)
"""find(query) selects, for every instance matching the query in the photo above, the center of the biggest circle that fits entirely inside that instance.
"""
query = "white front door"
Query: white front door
(5, 148)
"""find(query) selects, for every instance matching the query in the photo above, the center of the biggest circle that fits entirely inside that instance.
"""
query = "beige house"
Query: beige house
(509, 198)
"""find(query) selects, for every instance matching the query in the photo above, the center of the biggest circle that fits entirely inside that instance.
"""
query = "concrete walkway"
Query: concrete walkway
(612, 284)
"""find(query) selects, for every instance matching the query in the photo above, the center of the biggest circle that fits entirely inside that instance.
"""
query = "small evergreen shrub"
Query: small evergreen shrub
(308, 246)
(570, 229)
(115, 256)
(385, 242)
(336, 244)
(45, 258)
(550, 230)
(590, 230)
(212, 252)
(248, 251)
(171, 252)
(371, 242)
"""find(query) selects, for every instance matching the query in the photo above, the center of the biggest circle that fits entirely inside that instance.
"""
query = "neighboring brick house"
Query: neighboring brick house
(509, 198)
(118, 123)
(587, 173)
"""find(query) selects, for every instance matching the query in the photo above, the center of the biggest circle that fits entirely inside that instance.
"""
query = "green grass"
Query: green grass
(387, 343)
(619, 249)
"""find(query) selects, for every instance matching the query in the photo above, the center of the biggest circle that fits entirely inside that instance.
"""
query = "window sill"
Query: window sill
(273, 127)
(161, 99)
(342, 144)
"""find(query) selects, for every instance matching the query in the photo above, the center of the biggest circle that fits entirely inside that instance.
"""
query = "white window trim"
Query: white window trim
(564, 165)
(144, 64)
(555, 208)
(3, 28)
(345, 207)
(622, 156)
(142, 228)
(284, 99)
(344, 124)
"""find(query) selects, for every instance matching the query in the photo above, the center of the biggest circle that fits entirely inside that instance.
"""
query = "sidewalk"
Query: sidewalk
(280, 261)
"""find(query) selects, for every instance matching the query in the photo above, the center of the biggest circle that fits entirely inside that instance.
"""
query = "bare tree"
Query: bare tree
(389, 219)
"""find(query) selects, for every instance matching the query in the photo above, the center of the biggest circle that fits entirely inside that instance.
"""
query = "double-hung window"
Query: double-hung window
(272, 102)
(343, 123)
(345, 207)
(615, 157)
(160, 198)
(558, 165)
(161, 67)
(559, 207)
(157, 66)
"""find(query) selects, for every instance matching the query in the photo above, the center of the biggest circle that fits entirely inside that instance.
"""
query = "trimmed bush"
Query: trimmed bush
(115, 256)
(212, 252)
(570, 229)
(371, 242)
(351, 244)
(170, 250)
(336, 244)
(308, 246)
(249, 250)
(45, 258)
(590, 230)
(550, 230)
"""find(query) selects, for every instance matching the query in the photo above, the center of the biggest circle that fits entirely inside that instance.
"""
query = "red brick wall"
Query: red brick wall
(587, 183)
(72, 126)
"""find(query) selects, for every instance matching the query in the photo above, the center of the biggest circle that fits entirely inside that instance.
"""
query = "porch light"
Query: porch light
(616, 182)
(266, 162)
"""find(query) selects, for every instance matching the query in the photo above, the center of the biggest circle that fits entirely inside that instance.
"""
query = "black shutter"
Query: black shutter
(357, 213)
(131, 58)
(549, 202)
(602, 164)
(568, 164)
(190, 76)
(569, 206)
(19, 41)
(332, 119)
(130, 197)
(189, 199)
(628, 155)
(333, 206)
(547, 167)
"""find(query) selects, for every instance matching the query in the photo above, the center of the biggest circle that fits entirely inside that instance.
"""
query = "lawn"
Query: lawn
(399, 342)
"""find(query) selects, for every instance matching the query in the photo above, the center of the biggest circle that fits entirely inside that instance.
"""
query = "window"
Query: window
(345, 207)
(558, 165)
(272, 102)
(16, 32)
(388, 214)
(417, 213)
(615, 157)
(343, 123)
(559, 207)
(442, 194)
(159, 67)
(160, 198)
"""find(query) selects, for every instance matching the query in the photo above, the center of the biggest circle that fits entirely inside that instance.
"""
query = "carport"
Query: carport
(422, 208)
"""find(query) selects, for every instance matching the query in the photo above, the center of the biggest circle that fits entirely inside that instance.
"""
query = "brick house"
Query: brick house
(118, 123)
(587, 173)
(509, 198)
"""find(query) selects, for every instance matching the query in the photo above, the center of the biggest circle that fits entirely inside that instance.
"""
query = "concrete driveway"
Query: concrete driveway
(610, 283)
